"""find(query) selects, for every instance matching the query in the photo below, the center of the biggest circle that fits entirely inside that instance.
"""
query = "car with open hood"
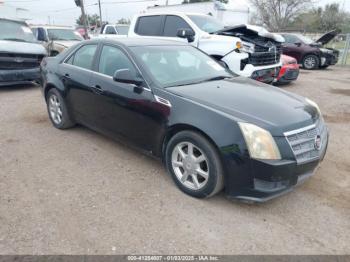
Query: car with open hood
(56, 39)
(212, 128)
(20, 53)
(309, 53)
(246, 50)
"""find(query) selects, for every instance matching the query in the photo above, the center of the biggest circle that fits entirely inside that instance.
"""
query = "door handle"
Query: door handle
(67, 76)
(97, 89)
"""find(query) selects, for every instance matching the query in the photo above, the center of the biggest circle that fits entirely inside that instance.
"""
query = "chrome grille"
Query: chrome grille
(302, 142)
(11, 61)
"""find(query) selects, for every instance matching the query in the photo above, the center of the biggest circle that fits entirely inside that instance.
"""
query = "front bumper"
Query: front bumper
(328, 59)
(288, 73)
(261, 180)
(15, 77)
(266, 73)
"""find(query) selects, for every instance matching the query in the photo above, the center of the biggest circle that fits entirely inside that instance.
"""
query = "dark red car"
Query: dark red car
(289, 71)
(311, 54)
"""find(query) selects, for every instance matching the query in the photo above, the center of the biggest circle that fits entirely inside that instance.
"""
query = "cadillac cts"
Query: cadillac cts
(212, 129)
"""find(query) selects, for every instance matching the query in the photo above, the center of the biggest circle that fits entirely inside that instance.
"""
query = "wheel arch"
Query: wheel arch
(48, 87)
(176, 128)
(310, 53)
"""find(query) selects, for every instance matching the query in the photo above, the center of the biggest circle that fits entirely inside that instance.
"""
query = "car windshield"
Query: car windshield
(15, 31)
(179, 65)
(64, 34)
(207, 23)
(306, 39)
(122, 30)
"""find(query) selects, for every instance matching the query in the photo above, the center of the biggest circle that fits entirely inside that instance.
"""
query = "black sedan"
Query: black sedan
(212, 129)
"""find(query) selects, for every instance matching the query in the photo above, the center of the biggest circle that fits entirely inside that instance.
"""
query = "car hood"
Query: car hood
(21, 47)
(66, 43)
(247, 100)
(249, 29)
(327, 37)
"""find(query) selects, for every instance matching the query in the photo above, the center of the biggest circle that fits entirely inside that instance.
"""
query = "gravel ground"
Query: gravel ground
(78, 192)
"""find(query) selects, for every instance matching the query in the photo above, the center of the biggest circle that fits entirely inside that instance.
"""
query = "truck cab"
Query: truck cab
(246, 50)
(114, 31)
(56, 38)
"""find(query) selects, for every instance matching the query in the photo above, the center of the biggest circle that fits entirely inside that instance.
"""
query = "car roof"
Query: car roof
(138, 41)
(150, 13)
(52, 27)
(14, 20)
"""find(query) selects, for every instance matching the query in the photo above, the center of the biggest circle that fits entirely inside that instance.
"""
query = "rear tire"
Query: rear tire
(194, 164)
(311, 62)
(57, 110)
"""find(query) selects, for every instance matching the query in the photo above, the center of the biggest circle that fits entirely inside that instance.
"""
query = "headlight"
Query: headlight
(239, 45)
(261, 144)
(312, 103)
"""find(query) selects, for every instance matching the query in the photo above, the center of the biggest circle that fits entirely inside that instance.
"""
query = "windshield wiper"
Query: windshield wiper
(215, 78)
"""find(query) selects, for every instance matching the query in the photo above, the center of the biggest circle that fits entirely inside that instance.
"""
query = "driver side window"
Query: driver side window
(113, 59)
(173, 24)
(291, 39)
(110, 30)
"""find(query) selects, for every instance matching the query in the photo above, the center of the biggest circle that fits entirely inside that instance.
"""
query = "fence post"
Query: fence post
(346, 50)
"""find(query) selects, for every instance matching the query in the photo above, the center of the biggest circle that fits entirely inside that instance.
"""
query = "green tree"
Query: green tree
(123, 21)
(278, 14)
(332, 17)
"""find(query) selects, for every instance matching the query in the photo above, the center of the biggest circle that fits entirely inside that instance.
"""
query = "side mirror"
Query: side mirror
(298, 44)
(125, 76)
(186, 33)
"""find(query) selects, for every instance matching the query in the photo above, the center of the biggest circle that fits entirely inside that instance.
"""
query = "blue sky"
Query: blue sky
(64, 12)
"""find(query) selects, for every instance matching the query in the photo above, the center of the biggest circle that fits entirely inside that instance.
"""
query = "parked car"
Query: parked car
(118, 30)
(20, 53)
(211, 128)
(56, 38)
(311, 54)
(289, 71)
(246, 50)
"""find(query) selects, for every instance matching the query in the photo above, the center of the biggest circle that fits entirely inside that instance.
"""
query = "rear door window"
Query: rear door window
(84, 56)
(172, 24)
(110, 30)
(149, 25)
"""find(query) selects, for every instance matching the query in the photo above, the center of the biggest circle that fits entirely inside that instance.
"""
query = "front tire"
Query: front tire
(194, 164)
(57, 110)
(311, 62)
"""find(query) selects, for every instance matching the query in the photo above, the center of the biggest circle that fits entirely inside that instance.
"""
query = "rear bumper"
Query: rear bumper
(15, 77)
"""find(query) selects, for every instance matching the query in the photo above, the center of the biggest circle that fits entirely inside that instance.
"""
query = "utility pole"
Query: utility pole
(80, 3)
(99, 7)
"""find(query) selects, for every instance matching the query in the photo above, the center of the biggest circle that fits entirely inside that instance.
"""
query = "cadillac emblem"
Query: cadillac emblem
(318, 142)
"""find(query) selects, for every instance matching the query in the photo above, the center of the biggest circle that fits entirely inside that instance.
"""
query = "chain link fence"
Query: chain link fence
(342, 43)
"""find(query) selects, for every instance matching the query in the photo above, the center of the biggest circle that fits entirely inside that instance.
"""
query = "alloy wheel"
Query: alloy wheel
(55, 109)
(310, 62)
(190, 165)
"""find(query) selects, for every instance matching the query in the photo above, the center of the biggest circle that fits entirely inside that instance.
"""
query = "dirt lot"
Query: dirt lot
(77, 192)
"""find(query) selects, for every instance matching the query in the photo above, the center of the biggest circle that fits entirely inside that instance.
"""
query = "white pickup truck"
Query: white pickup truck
(247, 50)
(114, 31)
